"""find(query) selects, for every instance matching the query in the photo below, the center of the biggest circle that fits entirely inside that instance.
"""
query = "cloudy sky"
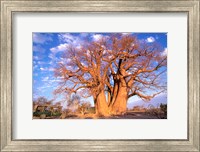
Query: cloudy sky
(47, 50)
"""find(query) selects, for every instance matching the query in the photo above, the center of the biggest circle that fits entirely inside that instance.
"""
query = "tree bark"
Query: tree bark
(101, 105)
(120, 104)
(121, 94)
(108, 97)
(114, 93)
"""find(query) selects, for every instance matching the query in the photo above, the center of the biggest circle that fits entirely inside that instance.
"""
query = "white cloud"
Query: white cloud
(150, 39)
(60, 77)
(103, 46)
(37, 48)
(79, 47)
(51, 69)
(51, 56)
(104, 52)
(62, 47)
(36, 58)
(88, 53)
(55, 80)
(41, 38)
(35, 67)
(70, 39)
(83, 34)
(164, 53)
(51, 63)
(45, 79)
(42, 89)
(97, 37)
(59, 48)
(35, 74)
(129, 72)
(44, 69)
(41, 63)
(126, 33)
(67, 37)
(67, 60)
(110, 56)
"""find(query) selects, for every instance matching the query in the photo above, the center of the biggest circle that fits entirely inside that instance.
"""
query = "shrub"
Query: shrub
(56, 113)
(160, 112)
(163, 108)
(38, 113)
(91, 110)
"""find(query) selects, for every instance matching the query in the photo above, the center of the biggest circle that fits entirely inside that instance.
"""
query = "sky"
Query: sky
(48, 47)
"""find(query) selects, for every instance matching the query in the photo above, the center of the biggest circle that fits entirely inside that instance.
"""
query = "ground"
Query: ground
(127, 115)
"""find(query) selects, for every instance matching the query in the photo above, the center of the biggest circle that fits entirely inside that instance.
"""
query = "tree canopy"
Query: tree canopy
(112, 70)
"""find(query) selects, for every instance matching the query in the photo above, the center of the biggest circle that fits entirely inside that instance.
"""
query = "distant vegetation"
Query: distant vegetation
(159, 112)
(42, 108)
(75, 108)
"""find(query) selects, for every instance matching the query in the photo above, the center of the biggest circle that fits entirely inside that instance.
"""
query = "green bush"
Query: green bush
(56, 114)
(38, 113)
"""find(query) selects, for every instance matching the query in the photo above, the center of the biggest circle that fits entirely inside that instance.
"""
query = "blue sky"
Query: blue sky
(47, 49)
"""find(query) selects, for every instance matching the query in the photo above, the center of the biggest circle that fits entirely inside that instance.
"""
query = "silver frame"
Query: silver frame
(9, 7)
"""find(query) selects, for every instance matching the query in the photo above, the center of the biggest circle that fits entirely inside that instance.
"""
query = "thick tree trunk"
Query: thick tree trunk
(114, 93)
(101, 105)
(108, 97)
(120, 104)
(121, 95)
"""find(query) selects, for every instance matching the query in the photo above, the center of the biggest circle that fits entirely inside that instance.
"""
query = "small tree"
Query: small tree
(84, 107)
(42, 100)
(136, 108)
(73, 103)
(163, 108)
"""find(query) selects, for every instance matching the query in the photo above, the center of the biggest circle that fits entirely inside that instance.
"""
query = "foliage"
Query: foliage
(138, 108)
(42, 100)
(56, 113)
(38, 113)
(42, 107)
(84, 107)
(160, 112)
(163, 108)
(47, 113)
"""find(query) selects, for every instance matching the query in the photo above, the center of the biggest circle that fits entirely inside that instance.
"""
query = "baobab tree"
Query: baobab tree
(112, 70)
(136, 69)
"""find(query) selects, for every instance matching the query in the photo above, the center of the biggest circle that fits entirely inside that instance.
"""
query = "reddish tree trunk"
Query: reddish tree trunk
(101, 105)
(120, 103)
(114, 95)
(108, 98)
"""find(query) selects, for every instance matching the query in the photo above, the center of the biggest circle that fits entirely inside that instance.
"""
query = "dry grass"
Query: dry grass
(151, 113)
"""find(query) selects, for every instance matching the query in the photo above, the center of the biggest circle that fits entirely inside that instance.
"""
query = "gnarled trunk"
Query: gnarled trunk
(114, 94)
(120, 104)
(101, 105)
(121, 94)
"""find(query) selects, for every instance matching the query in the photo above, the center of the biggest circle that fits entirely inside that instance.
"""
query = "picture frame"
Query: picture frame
(9, 7)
